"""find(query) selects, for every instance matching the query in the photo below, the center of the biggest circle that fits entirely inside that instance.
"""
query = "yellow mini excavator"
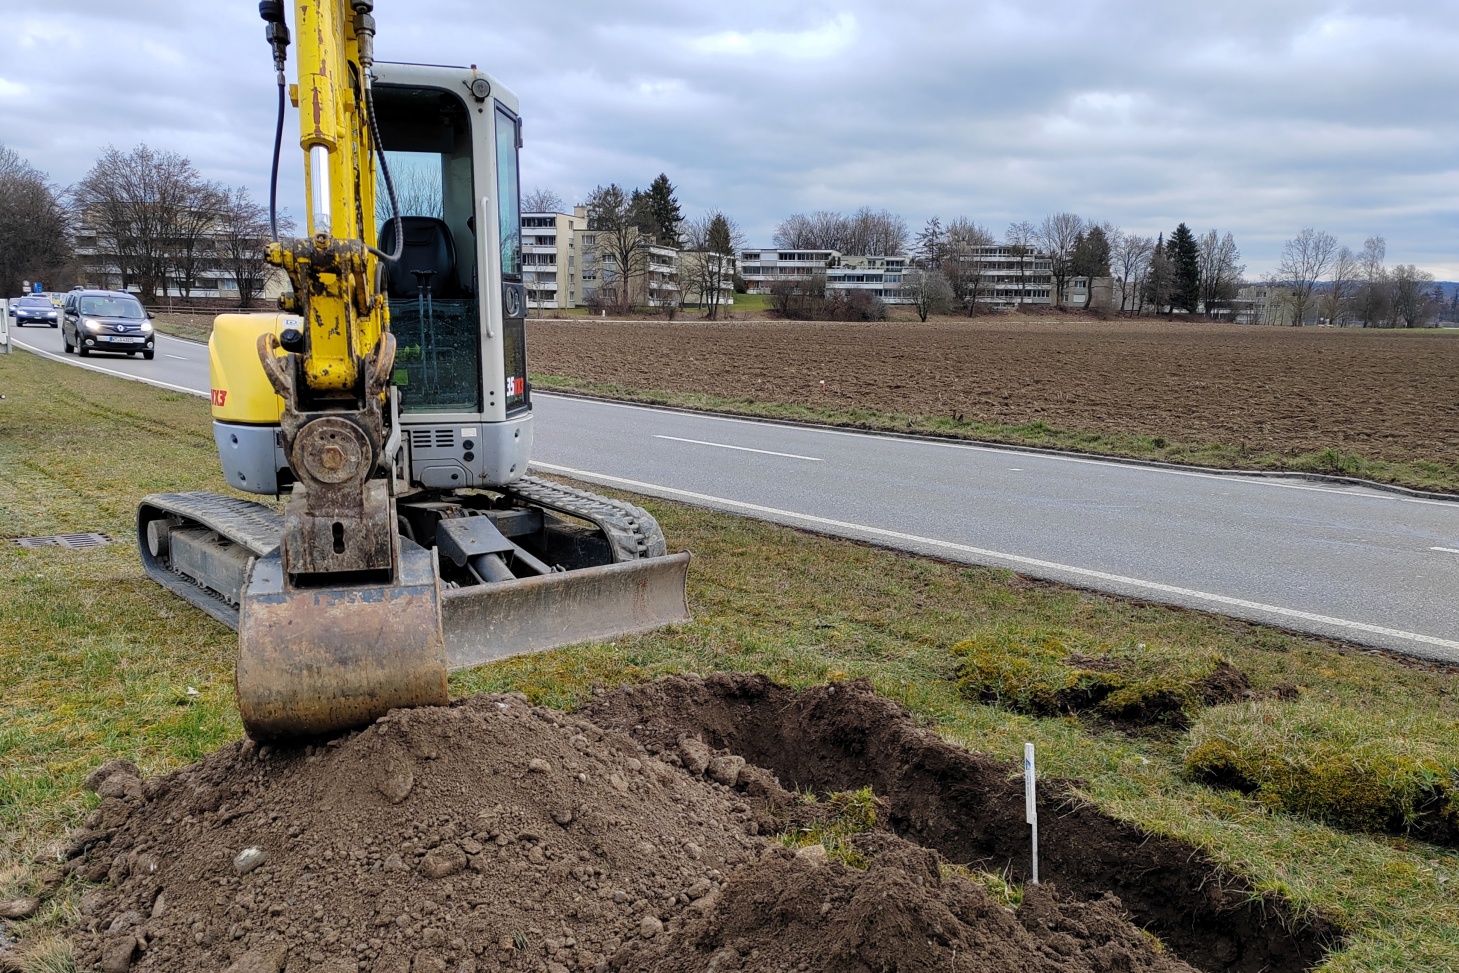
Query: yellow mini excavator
(389, 400)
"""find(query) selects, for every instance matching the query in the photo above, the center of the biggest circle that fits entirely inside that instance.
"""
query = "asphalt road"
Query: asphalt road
(1364, 565)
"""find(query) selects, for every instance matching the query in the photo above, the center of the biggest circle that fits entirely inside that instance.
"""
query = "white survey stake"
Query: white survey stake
(1031, 807)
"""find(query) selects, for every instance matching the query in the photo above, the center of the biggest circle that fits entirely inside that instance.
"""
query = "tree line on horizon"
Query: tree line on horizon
(156, 222)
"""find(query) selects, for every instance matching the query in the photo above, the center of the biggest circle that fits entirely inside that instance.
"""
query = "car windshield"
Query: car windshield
(112, 307)
(35, 301)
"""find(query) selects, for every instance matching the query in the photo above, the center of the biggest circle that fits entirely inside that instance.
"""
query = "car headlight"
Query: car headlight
(146, 327)
(91, 324)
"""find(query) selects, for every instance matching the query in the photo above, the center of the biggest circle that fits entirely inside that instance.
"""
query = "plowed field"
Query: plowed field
(1380, 395)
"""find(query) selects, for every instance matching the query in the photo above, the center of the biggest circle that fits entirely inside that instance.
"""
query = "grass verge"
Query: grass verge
(95, 662)
(1333, 461)
(1333, 763)
(1057, 672)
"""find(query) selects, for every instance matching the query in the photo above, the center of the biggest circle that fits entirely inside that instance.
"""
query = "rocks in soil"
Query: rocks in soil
(21, 908)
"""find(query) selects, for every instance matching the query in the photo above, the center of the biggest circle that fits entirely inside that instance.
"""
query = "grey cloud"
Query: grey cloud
(1258, 116)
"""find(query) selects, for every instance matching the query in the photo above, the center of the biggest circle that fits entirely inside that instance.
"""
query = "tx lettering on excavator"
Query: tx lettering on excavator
(387, 402)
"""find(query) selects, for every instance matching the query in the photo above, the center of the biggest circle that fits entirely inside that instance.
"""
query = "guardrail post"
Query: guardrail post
(4, 326)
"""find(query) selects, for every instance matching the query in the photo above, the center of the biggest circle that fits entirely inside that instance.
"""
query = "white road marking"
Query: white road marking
(1234, 477)
(178, 357)
(1446, 550)
(1015, 469)
(793, 517)
(743, 449)
(111, 371)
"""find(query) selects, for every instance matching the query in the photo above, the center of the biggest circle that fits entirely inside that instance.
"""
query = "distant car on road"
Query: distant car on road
(34, 309)
(106, 321)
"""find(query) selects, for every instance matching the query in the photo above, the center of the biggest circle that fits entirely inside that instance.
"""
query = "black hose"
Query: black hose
(384, 171)
(273, 183)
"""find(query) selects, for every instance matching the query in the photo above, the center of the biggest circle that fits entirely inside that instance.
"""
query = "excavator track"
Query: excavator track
(242, 523)
(631, 531)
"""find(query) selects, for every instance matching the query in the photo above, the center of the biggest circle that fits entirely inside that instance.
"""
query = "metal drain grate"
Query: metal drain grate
(72, 542)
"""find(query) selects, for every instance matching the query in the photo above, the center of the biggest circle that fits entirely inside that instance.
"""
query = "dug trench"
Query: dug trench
(971, 810)
(633, 836)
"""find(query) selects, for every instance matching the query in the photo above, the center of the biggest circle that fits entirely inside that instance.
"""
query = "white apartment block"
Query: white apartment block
(550, 259)
(707, 278)
(210, 280)
(1009, 279)
(761, 268)
(879, 276)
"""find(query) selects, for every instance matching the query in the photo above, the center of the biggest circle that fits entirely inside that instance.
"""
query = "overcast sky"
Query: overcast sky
(1256, 116)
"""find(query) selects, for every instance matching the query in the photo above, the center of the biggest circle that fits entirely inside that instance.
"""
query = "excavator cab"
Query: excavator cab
(413, 540)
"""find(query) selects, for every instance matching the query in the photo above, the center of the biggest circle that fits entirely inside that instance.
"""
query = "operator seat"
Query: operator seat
(428, 247)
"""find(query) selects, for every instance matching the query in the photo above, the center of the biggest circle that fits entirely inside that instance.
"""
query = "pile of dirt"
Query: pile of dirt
(493, 835)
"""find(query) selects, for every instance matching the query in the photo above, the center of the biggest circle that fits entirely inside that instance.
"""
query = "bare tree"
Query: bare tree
(708, 262)
(1160, 281)
(138, 203)
(34, 227)
(620, 247)
(928, 290)
(1130, 259)
(1220, 268)
(540, 200)
(864, 233)
(1372, 302)
(418, 190)
(1345, 268)
(1022, 241)
(1305, 259)
(1413, 303)
(1058, 235)
(962, 262)
(242, 237)
(931, 244)
(193, 249)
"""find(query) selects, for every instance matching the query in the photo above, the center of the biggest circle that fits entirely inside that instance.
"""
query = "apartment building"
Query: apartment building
(207, 264)
(761, 268)
(707, 278)
(1011, 277)
(879, 276)
(550, 250)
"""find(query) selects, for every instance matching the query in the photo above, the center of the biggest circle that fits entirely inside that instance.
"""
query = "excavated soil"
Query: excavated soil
(492, 835)
(1383, 394)
(970, 809)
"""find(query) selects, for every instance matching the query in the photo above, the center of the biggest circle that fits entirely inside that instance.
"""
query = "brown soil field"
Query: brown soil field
(1381, 395)
(639, 835)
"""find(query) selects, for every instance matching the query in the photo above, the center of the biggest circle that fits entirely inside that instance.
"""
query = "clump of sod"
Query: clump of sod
(1056, 671)
(834, 824)
(1322, 760)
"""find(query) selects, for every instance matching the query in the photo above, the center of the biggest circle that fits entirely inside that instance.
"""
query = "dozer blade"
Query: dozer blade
(316, 660)
(484, 623)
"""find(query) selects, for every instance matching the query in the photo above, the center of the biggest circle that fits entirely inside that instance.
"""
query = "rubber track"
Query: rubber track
(632, 531)
(250, 525)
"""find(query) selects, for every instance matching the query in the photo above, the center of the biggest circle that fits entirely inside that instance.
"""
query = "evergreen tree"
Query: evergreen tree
(1091, 258)
(720, 237)
(662, 209)
(1185, 260)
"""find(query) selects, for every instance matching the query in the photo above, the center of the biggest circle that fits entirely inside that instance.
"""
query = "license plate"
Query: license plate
(114, 338)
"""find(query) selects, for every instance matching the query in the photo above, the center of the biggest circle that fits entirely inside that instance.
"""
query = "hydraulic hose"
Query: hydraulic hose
(273, 183)
(385, 172)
